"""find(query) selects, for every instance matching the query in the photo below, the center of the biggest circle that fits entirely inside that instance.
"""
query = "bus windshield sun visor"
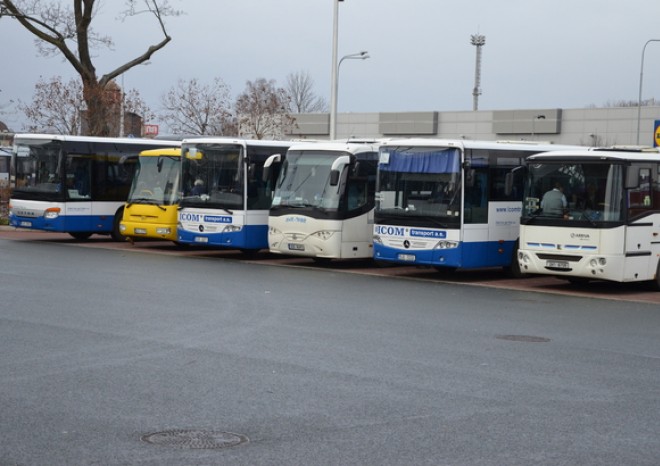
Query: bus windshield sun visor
(437, 161)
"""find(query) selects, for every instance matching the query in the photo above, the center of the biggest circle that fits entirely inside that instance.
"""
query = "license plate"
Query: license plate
(557, 265)
(201, 239)
(406, 257)
(25, 224)
(296, 247)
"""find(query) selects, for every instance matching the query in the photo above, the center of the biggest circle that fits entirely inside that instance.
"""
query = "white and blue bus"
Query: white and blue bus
(74, 184)
(445, 203)
(226, 193)
(607, 226)
(323, 204)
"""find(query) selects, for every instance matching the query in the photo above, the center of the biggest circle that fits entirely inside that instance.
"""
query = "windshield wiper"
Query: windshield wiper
(144, 200)
(435, 222)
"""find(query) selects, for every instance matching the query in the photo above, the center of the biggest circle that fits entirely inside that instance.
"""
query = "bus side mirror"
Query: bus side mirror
(275, 158)
(334, 177)
(335, 170)
(632, 177)
(469, 178)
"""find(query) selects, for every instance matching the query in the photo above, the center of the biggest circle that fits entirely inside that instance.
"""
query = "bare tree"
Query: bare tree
(627, 103)
(300, 87)
(67, 31)
(194, 108)
(262, 110)
(57, 107)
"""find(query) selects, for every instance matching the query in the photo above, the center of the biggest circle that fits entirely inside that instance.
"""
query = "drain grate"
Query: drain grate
(195, 439)
(523, 338)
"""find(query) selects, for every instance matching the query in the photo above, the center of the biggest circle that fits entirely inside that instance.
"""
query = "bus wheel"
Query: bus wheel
(514, 269)
(655, 283)
(81, 235)
(249, 253)
(445, 270)
(577, 281)
(116, 234)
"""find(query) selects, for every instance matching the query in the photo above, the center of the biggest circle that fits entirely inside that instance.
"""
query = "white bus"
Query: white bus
(225, 196)
(74, 184)
(5, 163)
(608, 226)
(324, 200)
(444, 203)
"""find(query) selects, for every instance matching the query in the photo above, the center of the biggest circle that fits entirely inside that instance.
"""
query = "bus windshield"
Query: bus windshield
(212, 176)
(38, 168)
(574, 191)
(155, 181)
(304, 181)
(416, 182)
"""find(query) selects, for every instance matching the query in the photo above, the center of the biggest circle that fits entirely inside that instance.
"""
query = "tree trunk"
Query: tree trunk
(103, 107)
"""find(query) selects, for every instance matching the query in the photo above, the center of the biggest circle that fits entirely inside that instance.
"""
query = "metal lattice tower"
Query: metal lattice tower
(478, 41)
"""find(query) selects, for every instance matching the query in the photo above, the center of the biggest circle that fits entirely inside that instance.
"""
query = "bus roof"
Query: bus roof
(602, 154)
(224, 140)
(351, 146)
(476, 144)
(66, 137)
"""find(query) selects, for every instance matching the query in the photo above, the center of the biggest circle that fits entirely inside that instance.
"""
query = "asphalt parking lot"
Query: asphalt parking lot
(495, 278)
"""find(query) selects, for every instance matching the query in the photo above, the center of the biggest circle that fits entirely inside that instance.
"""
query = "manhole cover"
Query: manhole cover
(523, 338)
(195, 439)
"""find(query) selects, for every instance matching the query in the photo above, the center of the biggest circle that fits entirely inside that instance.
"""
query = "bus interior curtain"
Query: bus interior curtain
(439, 161)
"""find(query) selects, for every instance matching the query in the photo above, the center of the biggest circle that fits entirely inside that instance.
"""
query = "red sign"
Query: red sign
(150, 130)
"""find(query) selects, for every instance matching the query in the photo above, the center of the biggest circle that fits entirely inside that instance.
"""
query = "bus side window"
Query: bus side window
(640, 198)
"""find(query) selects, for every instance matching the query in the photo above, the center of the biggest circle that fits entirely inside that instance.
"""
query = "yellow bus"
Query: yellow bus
(152, 205)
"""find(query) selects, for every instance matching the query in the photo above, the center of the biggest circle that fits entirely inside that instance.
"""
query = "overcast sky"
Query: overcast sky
(538, 54)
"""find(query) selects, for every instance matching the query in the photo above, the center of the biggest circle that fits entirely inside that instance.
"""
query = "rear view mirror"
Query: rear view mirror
(335, 170)
(334, 177)
(275, 158)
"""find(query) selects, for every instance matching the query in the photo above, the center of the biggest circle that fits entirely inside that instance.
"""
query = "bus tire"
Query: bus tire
(116, 233)
(80, 235)
(445, 270)
(655, 283)
(249, 253)
(514, 269)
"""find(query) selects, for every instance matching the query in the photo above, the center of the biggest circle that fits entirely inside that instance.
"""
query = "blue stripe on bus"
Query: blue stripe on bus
(466, 255)
(65, 224)
(250, 237)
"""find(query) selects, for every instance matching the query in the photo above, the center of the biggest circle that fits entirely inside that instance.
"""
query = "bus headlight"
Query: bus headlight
(52, 213)
(377, 239)
(232, 228)
(323, 234)
(446, 245)
(164, 231)
(122, 227)
(274, 231)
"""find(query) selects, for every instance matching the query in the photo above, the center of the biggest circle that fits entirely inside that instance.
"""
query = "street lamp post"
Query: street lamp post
(363, 55)
(333, 78)
(641, 75)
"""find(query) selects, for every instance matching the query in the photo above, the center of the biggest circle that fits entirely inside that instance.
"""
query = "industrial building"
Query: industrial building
(583, 126)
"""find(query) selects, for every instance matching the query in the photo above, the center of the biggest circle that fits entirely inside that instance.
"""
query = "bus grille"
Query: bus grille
(559, 257)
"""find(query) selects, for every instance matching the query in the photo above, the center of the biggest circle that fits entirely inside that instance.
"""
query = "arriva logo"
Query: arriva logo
(185, 217)
(391, 231)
